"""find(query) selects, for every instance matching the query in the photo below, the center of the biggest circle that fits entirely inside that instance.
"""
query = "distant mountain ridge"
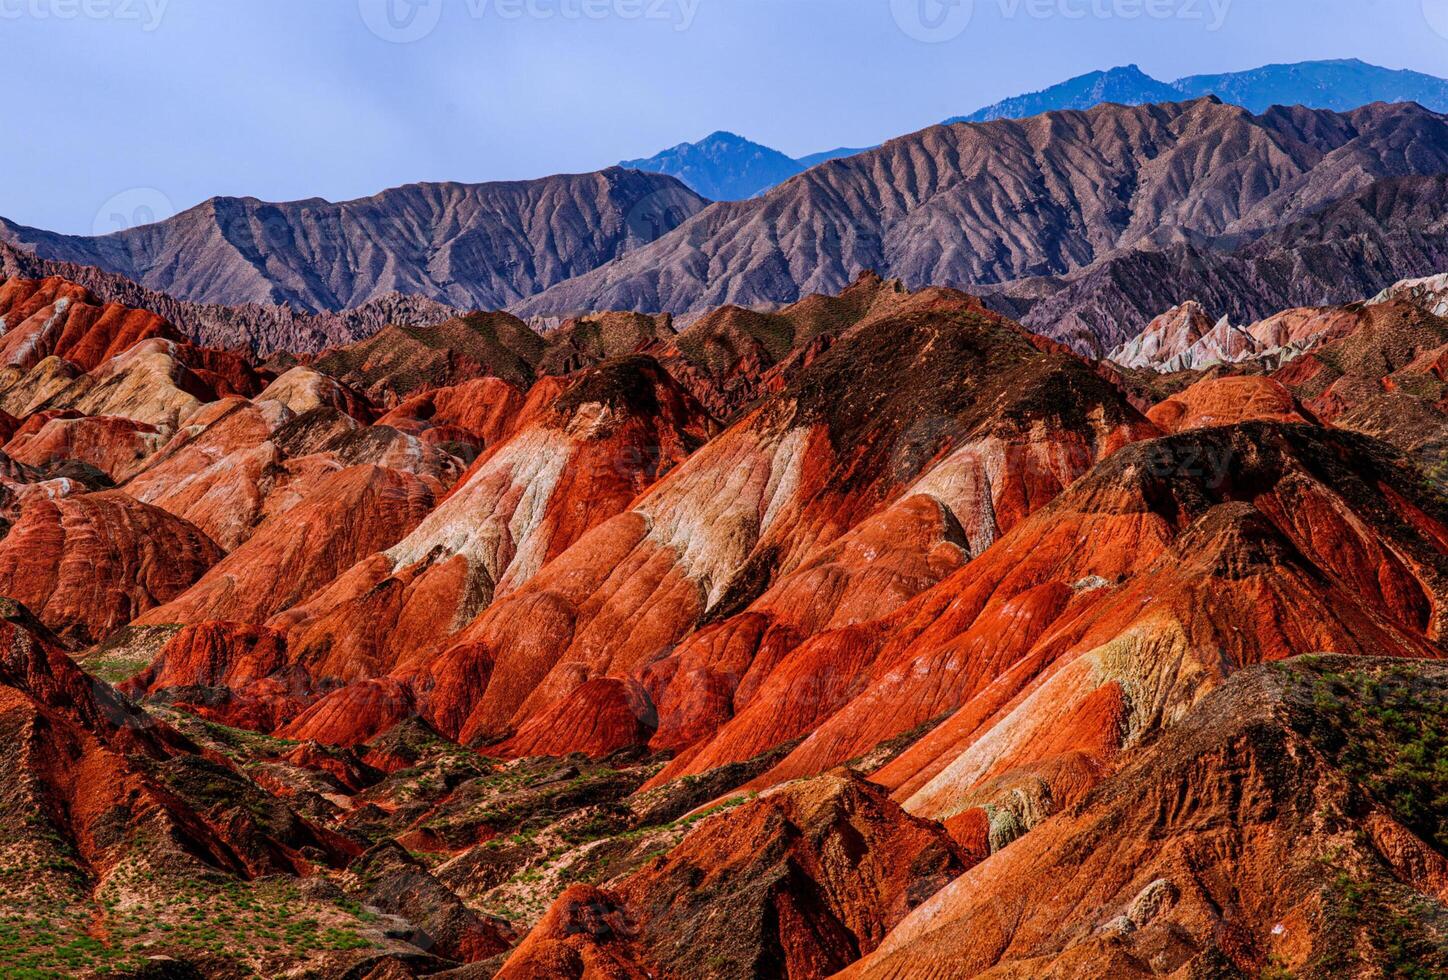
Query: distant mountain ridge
(973, 205)
(473, 246)
(727, 167)
(722, 166)
(584, 242)
(1338, 85)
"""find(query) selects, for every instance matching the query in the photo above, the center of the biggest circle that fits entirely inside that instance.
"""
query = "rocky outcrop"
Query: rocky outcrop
(226, 671)
(1382, 379)
(352, 513)
(90, 563)
(220, 471)
(55, 317)
(115, 446)
(796, 883)
(1166, 342)
(1182, 341)
(477, 414)
(1429, 294)
(585, 341)
(1227, 401)
(302, 389)
(398, 362)
(1254, 835)
(238, 463)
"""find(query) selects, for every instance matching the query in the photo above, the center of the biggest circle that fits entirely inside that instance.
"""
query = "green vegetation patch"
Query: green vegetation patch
(1388, 730)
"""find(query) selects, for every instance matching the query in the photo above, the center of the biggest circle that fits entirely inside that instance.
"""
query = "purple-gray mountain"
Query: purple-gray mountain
(476, 246)
(1341, 85)
(1041, 199)
(726, 167)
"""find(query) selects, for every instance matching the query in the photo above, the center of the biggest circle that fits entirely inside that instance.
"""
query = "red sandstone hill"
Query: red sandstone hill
(54, 317)
(796, 883)
(397, 362)
(583, 448)
(265, 328)
(989, 426)
(786, 644)
(1278, 827)
(91, 563)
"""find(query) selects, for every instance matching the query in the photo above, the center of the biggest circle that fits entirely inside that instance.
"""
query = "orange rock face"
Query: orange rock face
(219, 471)
(797, 883)
(90, 563)
(240, 659)
(602, 438)
(1169, 566)
(52, 317)
(1227, 401)
(1210, 847)
(482, 411)
(115, 446)
(356, 713)
(783, 484)
(353, 513)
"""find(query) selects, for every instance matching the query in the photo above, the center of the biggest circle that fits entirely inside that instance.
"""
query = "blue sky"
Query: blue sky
(120, 106)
